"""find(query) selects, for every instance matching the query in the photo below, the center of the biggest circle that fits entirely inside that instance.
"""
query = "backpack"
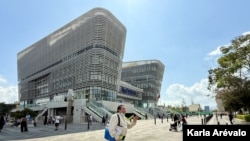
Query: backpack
(107, 135)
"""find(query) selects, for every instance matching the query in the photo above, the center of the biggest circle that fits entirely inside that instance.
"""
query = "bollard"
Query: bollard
(88, 124)
(218, 123)
(65, 125)
(162, 119)
(201, 121)
(167, 118)
(155, 120)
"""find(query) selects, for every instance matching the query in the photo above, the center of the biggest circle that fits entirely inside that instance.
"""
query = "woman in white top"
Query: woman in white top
(57, 121)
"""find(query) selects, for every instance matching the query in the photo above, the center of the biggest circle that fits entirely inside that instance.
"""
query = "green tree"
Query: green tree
(23, 113)
(6, 108)
(231, 76)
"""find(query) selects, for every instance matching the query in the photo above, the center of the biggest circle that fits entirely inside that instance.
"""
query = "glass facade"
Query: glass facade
(84, 55)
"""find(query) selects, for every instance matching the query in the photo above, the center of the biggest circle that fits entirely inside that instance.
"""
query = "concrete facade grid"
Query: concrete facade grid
(85, 54)
(147, 75)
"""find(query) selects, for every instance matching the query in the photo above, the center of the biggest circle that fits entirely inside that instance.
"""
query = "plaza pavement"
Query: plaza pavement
(144, 130)
(224, 120)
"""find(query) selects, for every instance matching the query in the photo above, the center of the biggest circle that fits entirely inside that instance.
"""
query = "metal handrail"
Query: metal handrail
(99, 108)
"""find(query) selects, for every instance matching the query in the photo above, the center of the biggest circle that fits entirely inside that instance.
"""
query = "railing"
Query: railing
(45, 108)
(95, 111)
(139, 112)
(100, 111)
(103, 109)
(155, 112)
(205, 120)
(30, 105)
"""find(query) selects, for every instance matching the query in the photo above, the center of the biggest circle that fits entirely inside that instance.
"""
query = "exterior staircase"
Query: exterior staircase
(45, 109)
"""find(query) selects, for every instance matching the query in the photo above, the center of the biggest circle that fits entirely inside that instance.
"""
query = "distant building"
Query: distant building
(206, 108)
(147, 75)
(194, 108)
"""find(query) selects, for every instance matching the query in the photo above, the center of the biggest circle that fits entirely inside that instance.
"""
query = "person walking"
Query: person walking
(2, 123)
(176, 118)
(176, 122)
(45, 122)
(24, 126)
(231, 116)
(34, 122)
(183, 120)
(57, 121)
(103, 120)
(118, 132)
(90, 119)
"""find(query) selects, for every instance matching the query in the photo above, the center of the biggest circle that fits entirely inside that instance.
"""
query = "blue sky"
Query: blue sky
(183, 34)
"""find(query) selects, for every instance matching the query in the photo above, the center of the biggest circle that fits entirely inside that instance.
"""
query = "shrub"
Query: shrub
(247, 118)
(244, 117)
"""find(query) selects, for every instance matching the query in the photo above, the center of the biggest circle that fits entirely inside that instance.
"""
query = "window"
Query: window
(95, 75)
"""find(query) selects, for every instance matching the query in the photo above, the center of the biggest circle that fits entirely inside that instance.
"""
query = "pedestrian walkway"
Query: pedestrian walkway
(144, 130)
(224, 120)
(45, 131)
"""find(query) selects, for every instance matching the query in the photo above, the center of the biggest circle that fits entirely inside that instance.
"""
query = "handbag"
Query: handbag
(107, 135)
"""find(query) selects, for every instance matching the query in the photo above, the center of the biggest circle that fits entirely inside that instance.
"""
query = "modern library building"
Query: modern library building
(81, 61)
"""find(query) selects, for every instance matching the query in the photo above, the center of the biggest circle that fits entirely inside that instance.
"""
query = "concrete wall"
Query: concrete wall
(78, 113)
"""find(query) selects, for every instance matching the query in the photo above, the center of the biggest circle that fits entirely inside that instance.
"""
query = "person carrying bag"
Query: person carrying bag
(117, 128)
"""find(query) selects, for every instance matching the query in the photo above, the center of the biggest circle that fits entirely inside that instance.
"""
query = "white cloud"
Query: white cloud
(215, 52)
(246, 33)
(213, 56)
(8, 94)
(197, 93)
(2, 80)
